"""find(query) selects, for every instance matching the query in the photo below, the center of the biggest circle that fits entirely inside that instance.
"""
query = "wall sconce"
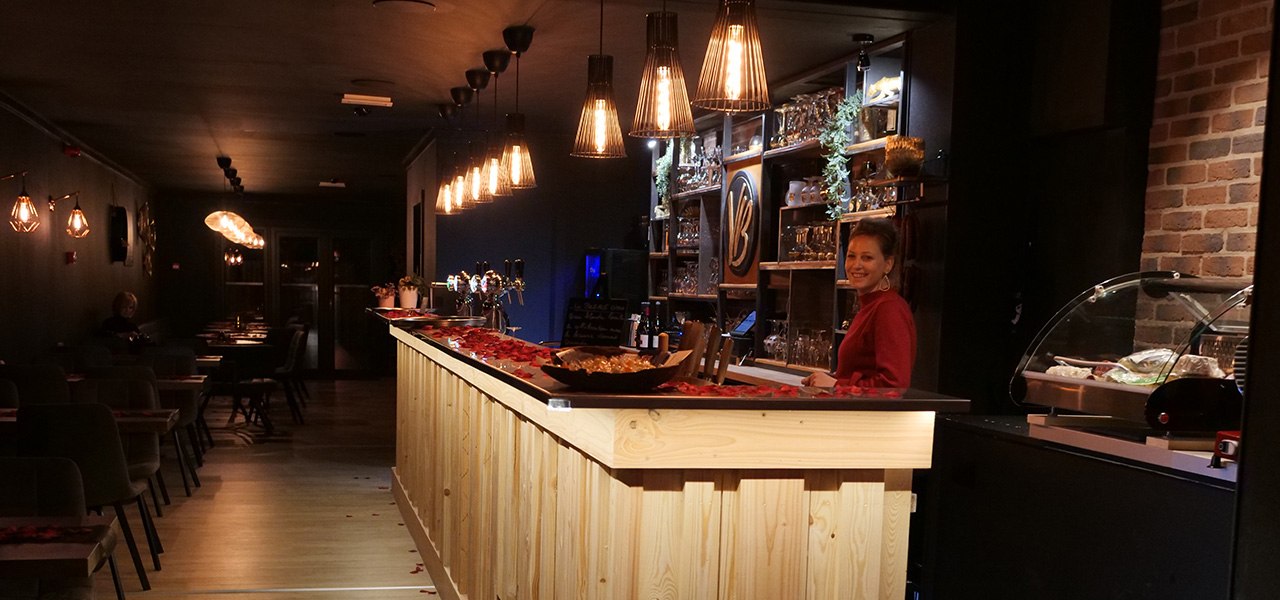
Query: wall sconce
(23, 218)
(77, 223)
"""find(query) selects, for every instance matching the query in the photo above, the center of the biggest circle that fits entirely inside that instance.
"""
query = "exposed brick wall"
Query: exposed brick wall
(1206, 137)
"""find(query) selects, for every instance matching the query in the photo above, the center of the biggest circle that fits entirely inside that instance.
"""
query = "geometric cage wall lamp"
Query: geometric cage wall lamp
(77, 223)
(24, 218)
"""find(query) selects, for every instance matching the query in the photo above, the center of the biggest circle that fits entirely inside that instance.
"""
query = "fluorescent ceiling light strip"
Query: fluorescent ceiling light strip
(364, 100)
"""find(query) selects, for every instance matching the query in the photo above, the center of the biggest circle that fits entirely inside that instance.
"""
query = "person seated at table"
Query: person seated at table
(120, 324)
(880, 346)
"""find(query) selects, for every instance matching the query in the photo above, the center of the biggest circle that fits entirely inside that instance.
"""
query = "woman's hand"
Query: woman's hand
(823, 380)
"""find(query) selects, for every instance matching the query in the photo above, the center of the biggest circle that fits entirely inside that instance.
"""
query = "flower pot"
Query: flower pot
(386, 301)
(409, 298)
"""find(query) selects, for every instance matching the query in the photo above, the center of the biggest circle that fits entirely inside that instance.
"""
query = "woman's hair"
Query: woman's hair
(123, 299)
(884, 232)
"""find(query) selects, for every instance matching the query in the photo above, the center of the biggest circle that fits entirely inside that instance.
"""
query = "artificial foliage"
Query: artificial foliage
(834, 139)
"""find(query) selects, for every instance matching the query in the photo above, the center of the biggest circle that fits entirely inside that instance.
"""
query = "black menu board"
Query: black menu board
(595, 322)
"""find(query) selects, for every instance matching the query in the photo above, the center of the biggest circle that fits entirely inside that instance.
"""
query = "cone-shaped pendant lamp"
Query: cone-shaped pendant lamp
(444, 201)
(517, 161)
(477, 162)
(24, 218)
(663, 108)
(733, 78)
(497, 180)
(599, 134)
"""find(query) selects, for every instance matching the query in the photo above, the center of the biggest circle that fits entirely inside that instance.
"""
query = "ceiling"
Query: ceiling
(161, 88)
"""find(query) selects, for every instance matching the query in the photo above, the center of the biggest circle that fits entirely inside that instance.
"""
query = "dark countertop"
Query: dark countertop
(1016, 429)
(544, 388)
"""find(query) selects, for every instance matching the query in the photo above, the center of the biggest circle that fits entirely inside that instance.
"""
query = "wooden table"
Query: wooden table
(50, 560)
(159, 420)
(515, 487)
(208, 362)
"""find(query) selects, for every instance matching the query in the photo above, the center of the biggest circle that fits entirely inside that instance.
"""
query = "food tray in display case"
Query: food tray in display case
(1112, 346)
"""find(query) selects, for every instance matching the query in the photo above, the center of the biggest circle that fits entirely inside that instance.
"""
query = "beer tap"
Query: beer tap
(485, 290)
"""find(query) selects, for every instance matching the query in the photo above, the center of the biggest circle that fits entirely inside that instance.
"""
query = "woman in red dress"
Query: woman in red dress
(880, 346)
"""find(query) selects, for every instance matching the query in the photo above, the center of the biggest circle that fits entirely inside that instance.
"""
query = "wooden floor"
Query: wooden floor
(305, 513)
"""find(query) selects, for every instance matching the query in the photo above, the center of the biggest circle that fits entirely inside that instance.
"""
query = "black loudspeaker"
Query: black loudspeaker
(117, 233)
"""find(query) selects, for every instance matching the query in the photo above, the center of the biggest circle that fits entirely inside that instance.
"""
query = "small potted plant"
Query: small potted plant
(409, 286)
(386, 295)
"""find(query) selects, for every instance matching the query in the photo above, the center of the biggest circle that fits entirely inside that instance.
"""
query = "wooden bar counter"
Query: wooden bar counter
(514, 487)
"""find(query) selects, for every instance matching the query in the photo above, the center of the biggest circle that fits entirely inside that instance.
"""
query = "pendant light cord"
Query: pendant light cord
(601, 26)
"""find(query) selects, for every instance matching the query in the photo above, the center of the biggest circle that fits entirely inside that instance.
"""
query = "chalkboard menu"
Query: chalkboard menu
(595, 322)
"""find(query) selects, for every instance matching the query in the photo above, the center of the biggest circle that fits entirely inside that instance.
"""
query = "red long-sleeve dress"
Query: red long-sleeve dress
(880, 347)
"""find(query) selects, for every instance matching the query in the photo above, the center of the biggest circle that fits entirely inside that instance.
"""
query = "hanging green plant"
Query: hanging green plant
(834, 139)
(662, 182)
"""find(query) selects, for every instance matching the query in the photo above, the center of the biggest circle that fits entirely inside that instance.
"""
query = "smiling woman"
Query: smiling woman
(880, 346)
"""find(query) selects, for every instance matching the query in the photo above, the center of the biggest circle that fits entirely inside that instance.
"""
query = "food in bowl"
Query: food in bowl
(622, 363)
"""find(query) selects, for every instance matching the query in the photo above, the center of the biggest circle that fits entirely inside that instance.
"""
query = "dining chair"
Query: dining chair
(47, 487)
(288, 374)
(132, 388)
(38, 384)
(87, 435)
(8, 394)
(179, 361)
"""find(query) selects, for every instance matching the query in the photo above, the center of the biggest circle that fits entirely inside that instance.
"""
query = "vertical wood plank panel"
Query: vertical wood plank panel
(897, 522)
(548, 562)
(572, 523)
(621, 516)
(766, 524)
(507, 498)
(846, 515)
(679, 553)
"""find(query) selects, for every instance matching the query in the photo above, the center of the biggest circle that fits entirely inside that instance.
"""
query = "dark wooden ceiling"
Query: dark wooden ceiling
(162, 87)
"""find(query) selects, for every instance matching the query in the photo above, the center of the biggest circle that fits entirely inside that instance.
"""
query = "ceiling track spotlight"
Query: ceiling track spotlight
(863, 40)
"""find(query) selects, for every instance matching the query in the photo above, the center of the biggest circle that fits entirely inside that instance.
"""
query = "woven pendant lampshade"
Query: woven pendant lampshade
(444, 200)
(497, 180)
(599, 134)
(516, 161)
(663, 108)
(733, 78)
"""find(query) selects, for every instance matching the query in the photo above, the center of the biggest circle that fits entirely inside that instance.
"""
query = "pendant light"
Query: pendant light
(444, 200)
(733, 78)
(663, 108)
(496, 179)
(24, 218)
(599, 134)
(517, 161)
(477, 164)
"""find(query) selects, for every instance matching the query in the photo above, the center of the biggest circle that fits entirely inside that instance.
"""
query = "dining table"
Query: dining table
(55, 547)
(130, 420)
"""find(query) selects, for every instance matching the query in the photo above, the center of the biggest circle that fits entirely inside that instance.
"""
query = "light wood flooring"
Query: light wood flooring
(305, 513)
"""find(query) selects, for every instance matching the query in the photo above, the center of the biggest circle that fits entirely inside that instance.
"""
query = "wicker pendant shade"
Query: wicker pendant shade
(599, 133)
(663, 108)
(444, 200)
(516, 161)
(733, 78)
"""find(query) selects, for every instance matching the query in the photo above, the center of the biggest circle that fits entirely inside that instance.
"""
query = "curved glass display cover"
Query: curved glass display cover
(1109, 347)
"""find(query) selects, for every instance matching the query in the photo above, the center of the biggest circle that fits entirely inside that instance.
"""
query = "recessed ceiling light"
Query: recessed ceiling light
(333, 183)
(364, 100)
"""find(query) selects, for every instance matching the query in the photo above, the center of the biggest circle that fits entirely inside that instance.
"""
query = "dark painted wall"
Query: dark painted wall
(191, 292)
(578, 204)
(46, 301)
(1051, 117)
